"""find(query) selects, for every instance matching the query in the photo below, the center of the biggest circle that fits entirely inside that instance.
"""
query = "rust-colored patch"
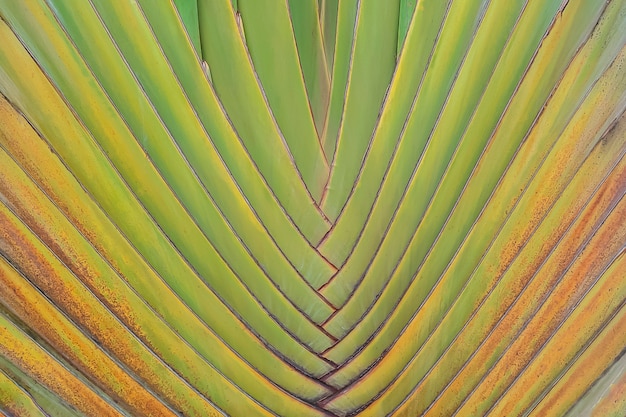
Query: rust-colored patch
(23, 353)
(479, 327)
(533, 334)
(580, 326)
(587, 369)
(43, 218)
(112, 379)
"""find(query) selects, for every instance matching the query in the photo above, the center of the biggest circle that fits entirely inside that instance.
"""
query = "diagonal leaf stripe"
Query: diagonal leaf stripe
(312, 208)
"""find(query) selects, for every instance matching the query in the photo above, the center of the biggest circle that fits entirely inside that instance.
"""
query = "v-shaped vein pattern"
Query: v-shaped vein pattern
(312, 207)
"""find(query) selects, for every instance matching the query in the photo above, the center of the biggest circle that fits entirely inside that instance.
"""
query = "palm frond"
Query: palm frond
(312, 207)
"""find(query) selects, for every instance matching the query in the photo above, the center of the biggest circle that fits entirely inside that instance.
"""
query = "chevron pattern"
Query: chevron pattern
(312, 207)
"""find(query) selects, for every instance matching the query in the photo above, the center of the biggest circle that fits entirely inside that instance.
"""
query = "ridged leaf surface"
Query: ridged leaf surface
(312, 208)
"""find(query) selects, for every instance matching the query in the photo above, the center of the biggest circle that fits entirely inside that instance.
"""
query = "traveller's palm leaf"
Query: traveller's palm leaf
(312, 207)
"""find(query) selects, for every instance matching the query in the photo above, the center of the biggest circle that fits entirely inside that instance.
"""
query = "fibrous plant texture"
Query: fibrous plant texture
(312, 208)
